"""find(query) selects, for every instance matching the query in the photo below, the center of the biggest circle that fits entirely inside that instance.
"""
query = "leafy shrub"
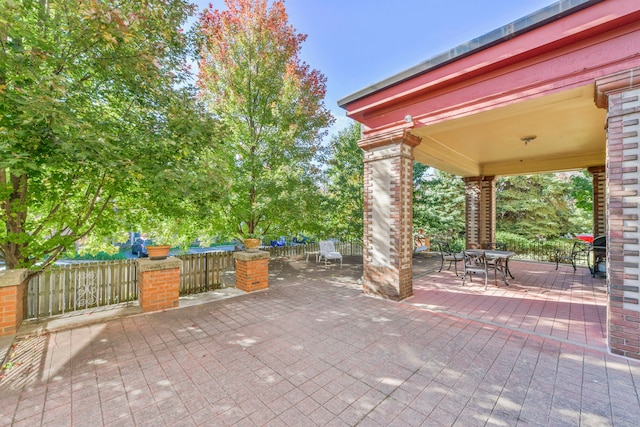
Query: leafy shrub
(100, 256)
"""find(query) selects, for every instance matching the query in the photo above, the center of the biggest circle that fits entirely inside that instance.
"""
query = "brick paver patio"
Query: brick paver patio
(312, 350)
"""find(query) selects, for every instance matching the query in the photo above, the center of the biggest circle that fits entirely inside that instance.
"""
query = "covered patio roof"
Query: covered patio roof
(476, 106)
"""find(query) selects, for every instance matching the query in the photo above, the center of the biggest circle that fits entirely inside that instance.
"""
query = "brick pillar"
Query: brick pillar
(252, 270)
(388, 214)
(480, 211)
(158, 283)
(13, 285)
(620, 95)
(598, 175)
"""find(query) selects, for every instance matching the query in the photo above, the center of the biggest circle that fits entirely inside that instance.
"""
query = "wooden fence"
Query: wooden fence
(345, 248)
(203, 272)
(64, 288)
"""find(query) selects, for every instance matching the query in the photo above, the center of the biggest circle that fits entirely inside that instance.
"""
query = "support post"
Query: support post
(388, 214)
(13, 285)
(158, 284)
(599, 179)
(620, 95)
(252, 270)
(480, 211)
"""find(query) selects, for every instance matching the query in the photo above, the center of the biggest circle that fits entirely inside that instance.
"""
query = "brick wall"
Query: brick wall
(252, 271)
(158, 284)
(388, 214)
(480, 210)
(623, 211)
(599, 179)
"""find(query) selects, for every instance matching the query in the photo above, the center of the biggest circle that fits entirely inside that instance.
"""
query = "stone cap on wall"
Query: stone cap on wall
(13, 277)
(146, 264)
(251, 256)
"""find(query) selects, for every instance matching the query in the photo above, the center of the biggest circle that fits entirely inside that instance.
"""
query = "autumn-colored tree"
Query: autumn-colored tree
(92, 104)
(271, 102)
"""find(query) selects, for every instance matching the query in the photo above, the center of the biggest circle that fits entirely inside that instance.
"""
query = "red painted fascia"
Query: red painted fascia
(587, 23)
(555, 71)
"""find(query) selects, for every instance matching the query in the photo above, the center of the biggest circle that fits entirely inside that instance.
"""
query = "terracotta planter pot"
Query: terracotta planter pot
(158, 251)
(251, 245)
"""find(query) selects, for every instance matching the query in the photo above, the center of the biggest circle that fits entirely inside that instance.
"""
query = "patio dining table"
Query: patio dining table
(498, 256)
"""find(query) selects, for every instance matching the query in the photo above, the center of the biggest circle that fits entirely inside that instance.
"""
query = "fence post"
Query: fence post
(252, 270)
(13, 284)
(158, 283)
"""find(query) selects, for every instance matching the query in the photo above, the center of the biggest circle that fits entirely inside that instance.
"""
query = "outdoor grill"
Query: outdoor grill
(599, 248)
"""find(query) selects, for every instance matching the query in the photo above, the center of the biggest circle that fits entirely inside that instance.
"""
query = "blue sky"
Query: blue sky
(356, 43)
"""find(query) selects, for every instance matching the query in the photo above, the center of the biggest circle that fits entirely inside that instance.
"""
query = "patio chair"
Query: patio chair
(475, 262)
(579, 251)
(446, 254)
(328, 252)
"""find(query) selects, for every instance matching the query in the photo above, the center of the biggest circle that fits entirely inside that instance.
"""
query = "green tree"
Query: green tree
(537, 206)
(343, 202)
(582, 191)
(93, 104)
(438, 202)
(272, 105)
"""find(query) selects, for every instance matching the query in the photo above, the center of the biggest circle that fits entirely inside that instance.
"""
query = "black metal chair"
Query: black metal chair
(579, 251)
(446, 254)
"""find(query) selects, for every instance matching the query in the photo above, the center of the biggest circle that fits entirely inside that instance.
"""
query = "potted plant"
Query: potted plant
(252, 242)
(162, 237)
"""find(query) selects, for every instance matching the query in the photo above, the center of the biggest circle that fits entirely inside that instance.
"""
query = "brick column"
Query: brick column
(388, 214)
(480, 211)
(13, 285)
(158, 283)
(620, 95)
(252, 270)
(598, 175)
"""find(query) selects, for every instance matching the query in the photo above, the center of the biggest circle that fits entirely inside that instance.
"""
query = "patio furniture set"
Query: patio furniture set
(495, 257)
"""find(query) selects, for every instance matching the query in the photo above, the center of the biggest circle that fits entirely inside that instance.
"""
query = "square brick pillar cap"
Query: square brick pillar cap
(250, 256)
(13, 277)
(146, 264)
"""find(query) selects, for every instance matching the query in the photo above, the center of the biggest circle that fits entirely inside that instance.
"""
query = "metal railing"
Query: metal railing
(540, 251)
(526, 250)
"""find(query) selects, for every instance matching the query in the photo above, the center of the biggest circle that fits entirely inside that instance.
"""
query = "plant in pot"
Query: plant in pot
(163, 236)
(252, 242)
(251, 236)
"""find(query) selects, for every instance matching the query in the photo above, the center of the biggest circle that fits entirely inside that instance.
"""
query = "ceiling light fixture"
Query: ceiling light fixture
(528, 139)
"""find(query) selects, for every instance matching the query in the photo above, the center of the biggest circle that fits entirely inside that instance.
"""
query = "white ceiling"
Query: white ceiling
(569, 129)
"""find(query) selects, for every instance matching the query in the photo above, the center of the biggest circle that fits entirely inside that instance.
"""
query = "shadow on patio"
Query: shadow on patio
(312, 350)
(563, 304)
